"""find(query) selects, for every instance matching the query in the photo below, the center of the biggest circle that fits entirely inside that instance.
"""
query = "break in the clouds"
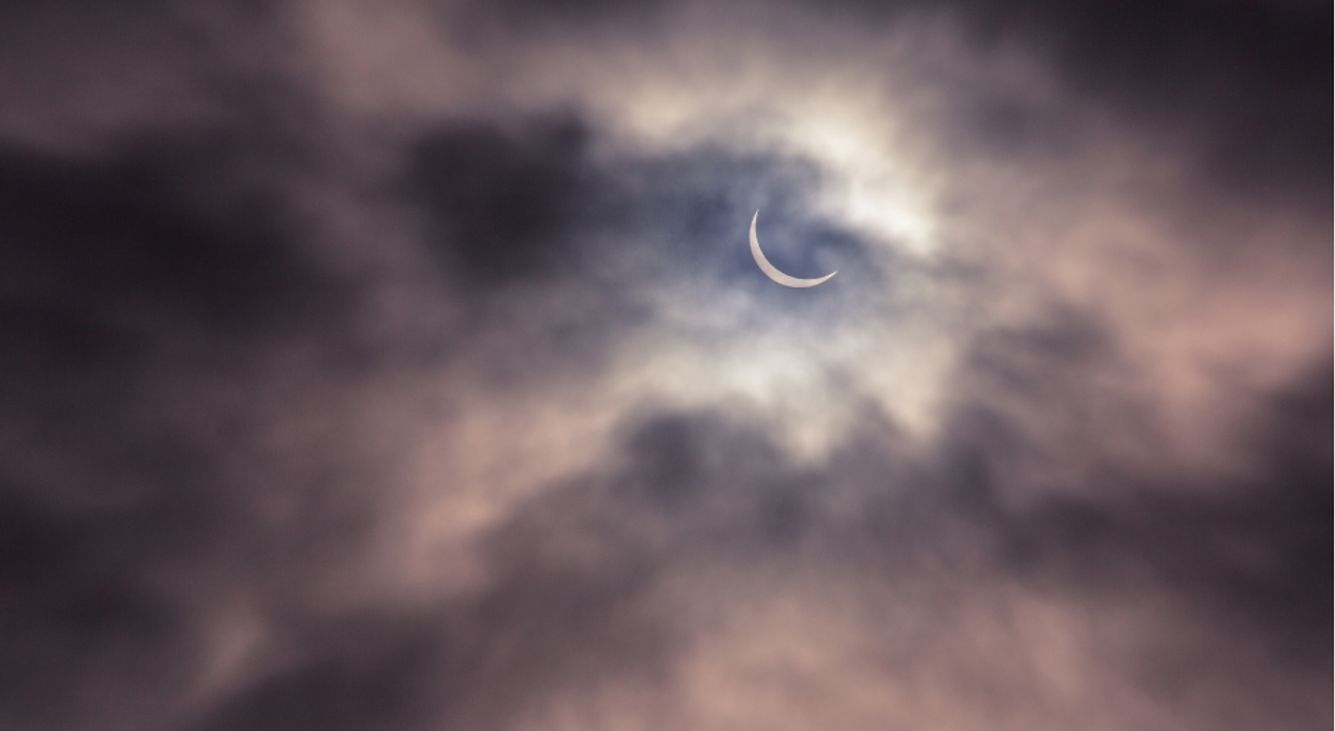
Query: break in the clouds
(403, 366)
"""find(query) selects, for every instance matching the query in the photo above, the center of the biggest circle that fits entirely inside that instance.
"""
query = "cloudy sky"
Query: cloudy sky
(401, 366)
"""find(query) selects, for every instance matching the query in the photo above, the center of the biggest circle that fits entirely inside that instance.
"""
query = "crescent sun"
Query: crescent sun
(772, 271)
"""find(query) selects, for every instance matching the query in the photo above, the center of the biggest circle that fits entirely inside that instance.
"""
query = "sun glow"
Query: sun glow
(870, 184)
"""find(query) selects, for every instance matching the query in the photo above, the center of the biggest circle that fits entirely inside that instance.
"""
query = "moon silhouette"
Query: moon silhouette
(773, 272)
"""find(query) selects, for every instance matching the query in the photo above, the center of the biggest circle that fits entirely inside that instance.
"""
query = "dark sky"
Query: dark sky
(402, 366)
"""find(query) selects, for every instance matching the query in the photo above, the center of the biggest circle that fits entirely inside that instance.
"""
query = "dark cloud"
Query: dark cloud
(163, 223)
(165, 266)
(509, 17)
(1243, 86)
(1246, 551)
(505, 203)
(1250, 70)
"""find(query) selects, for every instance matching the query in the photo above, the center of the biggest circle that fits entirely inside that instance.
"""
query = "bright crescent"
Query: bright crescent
(772, 271)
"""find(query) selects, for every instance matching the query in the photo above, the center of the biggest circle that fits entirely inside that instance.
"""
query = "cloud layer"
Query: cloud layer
(404, 367)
